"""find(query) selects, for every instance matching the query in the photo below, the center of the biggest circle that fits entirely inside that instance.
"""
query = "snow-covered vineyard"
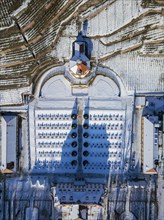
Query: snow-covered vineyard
(82, 110)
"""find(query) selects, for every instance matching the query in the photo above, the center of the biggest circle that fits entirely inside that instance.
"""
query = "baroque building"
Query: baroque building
(82, 110)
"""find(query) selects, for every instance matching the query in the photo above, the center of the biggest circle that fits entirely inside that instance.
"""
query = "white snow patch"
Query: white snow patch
(23, 6)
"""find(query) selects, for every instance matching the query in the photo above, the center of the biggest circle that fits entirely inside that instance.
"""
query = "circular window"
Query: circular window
(86, 153)
(73, 116)
(74, 144)
(74, 126)
(85, 162)
(86, 144)
(74, 135)
(86, 135)
(85, 126)
(86, 116)
(74, 153)
(74, 162)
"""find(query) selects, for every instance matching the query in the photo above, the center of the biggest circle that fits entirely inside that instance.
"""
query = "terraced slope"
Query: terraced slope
(38, 34)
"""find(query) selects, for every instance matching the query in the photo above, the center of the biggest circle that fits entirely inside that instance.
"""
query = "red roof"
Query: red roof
(80, 70)
(7, 171)
(152, 171)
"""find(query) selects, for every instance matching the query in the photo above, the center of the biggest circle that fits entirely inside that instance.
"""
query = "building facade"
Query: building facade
(81, 110)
